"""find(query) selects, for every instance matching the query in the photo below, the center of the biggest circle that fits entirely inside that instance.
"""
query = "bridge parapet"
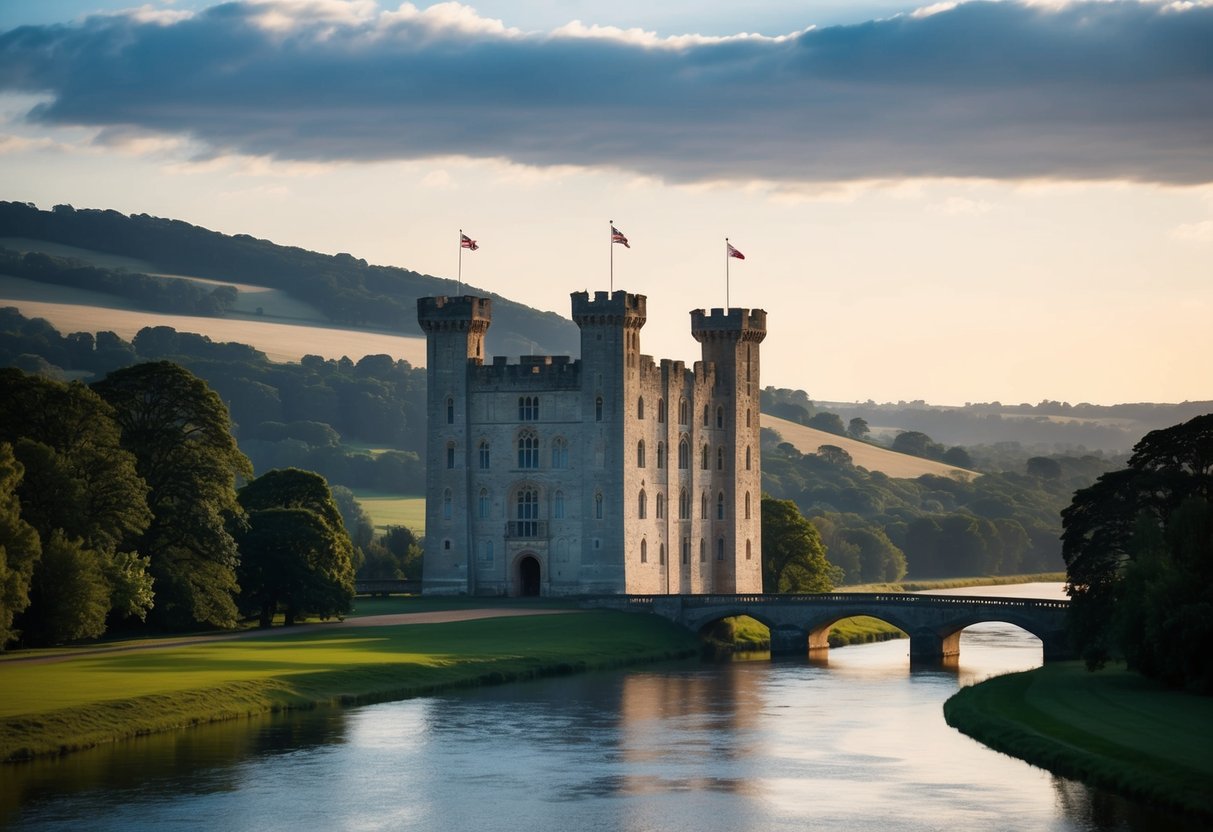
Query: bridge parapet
(802, 623)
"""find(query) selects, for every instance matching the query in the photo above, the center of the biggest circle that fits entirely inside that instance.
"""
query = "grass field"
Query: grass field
(53, 707)
(393, 510)
(1113, 729)
(808, 440)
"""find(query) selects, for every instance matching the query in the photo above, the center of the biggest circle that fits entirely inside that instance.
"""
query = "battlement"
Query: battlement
(438, 314)
(735, 324)
(618, 308)
(531, 371)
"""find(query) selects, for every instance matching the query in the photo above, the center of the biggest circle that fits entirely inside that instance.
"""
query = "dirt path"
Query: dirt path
(435, 617)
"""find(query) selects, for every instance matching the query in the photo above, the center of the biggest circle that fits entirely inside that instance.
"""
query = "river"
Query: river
(857, 743)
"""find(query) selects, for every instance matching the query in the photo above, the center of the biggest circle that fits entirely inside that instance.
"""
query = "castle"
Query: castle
(609, 474)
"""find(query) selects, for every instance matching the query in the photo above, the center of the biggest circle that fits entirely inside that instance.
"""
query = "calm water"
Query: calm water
(857, 744)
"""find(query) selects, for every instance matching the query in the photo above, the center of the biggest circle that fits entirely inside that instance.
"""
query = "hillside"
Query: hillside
(807, 440)
(349, 292)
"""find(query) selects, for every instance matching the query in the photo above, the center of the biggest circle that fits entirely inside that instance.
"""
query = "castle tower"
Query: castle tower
(730, 343)
(455, 329)
(610, 357)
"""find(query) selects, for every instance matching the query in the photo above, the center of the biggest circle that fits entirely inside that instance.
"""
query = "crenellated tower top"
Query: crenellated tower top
(619, 308)
(462, 314)
(734, 325)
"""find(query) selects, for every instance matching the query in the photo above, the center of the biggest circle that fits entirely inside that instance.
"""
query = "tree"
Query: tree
(917, 443)
(1044, 468)
(69, 596)
(858, 428)
(1138, 546)
(180, 434)
(828, 422)
(958, 456)
(20, 547)
(834, 455)
(793, 559)
(295, 551)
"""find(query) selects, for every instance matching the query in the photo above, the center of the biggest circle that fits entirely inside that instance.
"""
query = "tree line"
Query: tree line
(128, 501)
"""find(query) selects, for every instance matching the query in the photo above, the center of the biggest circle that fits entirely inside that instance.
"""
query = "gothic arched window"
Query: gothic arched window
(528, 449)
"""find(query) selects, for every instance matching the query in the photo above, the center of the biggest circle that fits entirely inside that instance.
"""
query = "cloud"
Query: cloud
(1194, 232)
(1055, 91)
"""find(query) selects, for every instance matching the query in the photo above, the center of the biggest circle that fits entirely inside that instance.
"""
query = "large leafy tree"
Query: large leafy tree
(80, 491)
(295, 551)
(180, 433)
(1138, 546)
(20, 546)
(793, 559)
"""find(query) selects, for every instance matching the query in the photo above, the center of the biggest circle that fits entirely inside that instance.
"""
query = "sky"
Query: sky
(957, 202)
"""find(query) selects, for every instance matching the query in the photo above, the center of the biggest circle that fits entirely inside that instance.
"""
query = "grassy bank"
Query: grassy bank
(1112, 729)
(60, 706)
(742, 633)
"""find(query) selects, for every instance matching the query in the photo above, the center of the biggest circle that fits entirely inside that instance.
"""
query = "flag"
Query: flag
(617, 237)
(732, 252)
(467, 242)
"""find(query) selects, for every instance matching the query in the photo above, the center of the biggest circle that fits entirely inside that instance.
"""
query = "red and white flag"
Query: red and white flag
(732, 252)
(467, 242)
(617, 237)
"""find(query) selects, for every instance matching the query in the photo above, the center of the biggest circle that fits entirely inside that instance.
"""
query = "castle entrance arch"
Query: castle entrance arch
(528, 576)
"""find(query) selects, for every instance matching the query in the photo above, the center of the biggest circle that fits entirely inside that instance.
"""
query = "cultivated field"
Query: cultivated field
(393, 510)
(808, 440)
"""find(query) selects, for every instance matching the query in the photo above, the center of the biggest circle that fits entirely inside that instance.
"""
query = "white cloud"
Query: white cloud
(1194, 232)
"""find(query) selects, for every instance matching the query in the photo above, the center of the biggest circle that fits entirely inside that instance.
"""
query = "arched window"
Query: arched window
(450, 410)
(682, 411)
(483, 504)
(527, 512)
(640, 454)
(684, 454)
(528, 449)
(720, 506)
(747, 417)
(661, 410)
(703, 457)
(703, 506)
(686, 549)
(450, 454)
(644, 551)
(720, 548)
(720, 458)
(747, 505)
(560, 453)
(446, 504)
(642, 505)
(598, 509)
(684, 505)
(703, 550)
(484, 453)
(660, 454)
(720, 417)
(558, 505)
(528, 408)
(598, 409)
(705, 415)
(660, 505)
(747, 457)
(486, 551)
(640, 408)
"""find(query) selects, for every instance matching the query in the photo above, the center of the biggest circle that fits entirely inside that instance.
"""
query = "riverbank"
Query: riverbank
(1111, 729)
(51, 708)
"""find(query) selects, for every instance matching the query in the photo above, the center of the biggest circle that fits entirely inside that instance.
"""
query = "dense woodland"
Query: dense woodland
(345, 288)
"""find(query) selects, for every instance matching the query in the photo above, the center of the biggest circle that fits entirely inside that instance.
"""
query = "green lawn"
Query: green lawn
(393, 510)
(66, 705)
(1113, 729)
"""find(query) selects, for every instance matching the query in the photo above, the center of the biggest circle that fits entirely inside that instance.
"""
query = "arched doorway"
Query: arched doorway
(528, 576)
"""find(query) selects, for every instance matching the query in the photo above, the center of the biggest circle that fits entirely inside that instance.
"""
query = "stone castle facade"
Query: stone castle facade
(603, 475)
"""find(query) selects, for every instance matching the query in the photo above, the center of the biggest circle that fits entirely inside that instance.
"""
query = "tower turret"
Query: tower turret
(455, 329)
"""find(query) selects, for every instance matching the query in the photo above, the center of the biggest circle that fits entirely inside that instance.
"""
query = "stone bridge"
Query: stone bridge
(801, 623)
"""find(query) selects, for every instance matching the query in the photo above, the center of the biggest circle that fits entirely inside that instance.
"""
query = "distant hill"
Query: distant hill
(345, 290)
(807, 440)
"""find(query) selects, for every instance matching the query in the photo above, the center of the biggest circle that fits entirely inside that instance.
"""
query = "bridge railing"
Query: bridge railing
(904, 598)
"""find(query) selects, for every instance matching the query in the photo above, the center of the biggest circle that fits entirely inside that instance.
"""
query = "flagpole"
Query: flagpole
(726, 275)
(459, 280)
(611, 238)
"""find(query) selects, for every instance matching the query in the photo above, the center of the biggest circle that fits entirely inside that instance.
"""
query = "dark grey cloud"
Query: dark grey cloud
(1085, 91)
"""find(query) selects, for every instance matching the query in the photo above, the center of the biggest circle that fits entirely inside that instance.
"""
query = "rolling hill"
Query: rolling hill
(807, 440)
